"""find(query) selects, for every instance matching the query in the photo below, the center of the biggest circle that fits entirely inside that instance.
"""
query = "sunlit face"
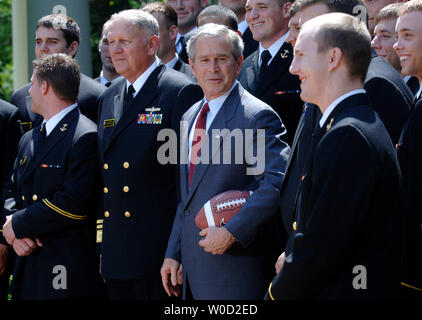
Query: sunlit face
(36, 94)
(409, 43)
(294, 29)
(383, 41)
(50, 40)
(132, 48)
(214, 66)
(266, 19)
(374, 6)
(187, 11)
(310, 66)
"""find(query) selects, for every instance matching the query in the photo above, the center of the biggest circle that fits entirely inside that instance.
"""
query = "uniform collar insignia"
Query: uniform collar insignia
(328, 127)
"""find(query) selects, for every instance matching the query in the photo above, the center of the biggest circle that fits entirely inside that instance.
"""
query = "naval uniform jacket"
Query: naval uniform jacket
(140, 195)
(348, 214)
(277, 87)
(89, 92)
(52, 196)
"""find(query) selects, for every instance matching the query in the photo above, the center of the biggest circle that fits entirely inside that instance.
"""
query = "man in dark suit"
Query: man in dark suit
(230, 261)
(140, 193)
(57, 33)
(265, 73)
(10, 134)
(345, 232)
(108, 73)
(187, 13)
(50, 198)
(409, 148)
(238, 7)
(167, 20)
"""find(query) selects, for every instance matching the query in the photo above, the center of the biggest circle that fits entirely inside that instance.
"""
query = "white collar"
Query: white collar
(217, 103)
(104, 81)
(335, 103)
(139, 83)
(242, 26)
(51, 123)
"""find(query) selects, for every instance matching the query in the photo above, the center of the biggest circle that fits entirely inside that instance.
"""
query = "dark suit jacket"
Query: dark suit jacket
(138, 241)
(389, 95)
(250, 44)
(184, 68)
(409, 151)
(89, 92)
(277, 87)
(301, 147)
(10, 134)
(349, 212)
(413, 84)
(242, 271)
(51, 195)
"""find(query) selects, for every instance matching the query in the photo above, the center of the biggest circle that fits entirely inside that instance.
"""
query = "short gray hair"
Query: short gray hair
(142, 19)
(212, 30)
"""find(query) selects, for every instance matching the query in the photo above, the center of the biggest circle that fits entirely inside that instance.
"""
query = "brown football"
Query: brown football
(217, 211)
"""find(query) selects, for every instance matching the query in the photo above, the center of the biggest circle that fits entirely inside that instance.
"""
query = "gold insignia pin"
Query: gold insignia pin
(328, 127)
(64, 127)
(22, 161)
(285, 54)
(153, 109)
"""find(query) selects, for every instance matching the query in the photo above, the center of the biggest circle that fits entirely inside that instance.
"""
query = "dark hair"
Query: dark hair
(65, 24)
(220, 11)
(168, 12)
(61, 72)
(344, 6)
(353, 39)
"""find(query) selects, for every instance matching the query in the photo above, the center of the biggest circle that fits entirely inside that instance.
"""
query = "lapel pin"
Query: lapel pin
(285, 54)
(64, 127)
(328, 127)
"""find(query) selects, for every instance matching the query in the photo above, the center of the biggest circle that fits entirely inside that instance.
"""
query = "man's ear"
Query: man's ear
(153, 43)
(73, 49)
(286, 9)
(173, 33)
(336, 57)
(45, 87)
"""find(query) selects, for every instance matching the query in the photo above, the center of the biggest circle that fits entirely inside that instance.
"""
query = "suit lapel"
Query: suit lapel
(279, 65)
(143, 98)
(224, 115)
(60, 131)
(252, 72)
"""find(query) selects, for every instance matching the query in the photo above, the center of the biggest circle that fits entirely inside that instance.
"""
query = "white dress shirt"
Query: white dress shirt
(51, 123)
(273, 49)
(139, 83)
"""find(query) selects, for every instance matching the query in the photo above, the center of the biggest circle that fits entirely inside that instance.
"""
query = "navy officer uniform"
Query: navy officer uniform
(140, 195)
(331, 235)
(89, 92)
(51, 195)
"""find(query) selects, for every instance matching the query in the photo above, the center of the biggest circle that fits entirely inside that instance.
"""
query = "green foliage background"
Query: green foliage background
(100, 11)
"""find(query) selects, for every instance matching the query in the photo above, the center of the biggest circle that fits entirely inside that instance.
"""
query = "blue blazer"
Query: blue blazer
(241, 272)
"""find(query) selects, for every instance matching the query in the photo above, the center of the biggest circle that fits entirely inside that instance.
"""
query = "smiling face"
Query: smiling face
(384, 40)
(215, 66)
(409, 43)
(309, 65)
(187, 11)
(267, 20)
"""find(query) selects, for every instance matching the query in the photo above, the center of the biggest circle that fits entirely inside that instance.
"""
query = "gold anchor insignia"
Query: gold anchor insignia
(64, 127)
(328, 127)
(285, 54)
(22, 161)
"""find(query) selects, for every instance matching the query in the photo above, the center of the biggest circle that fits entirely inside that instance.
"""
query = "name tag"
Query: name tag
(109, 123)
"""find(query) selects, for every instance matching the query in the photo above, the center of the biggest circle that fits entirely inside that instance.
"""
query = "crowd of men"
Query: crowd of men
(325, 92)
